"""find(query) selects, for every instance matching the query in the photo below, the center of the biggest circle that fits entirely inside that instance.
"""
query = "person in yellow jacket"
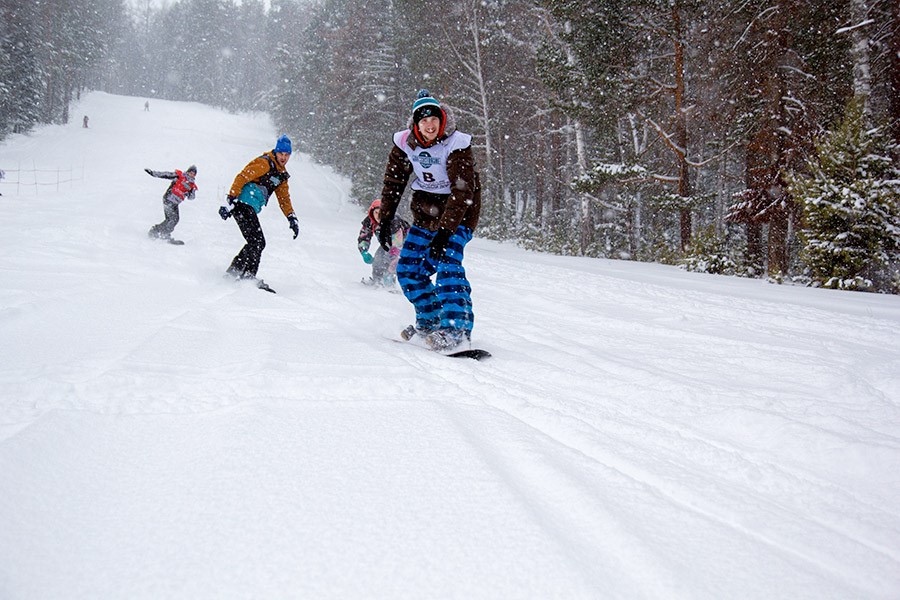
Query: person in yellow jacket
(248, 195)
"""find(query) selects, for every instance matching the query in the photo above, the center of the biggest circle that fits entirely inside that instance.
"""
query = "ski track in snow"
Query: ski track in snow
(641, 432)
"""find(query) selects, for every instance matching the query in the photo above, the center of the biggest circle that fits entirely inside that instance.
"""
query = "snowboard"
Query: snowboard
(264, 286)
(476, 353)
(408, 334)
(168, 240)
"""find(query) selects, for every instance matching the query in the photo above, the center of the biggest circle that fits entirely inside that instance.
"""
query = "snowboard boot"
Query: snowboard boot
(412, 331)
(238, 275)
(445, 339)
(232, 273)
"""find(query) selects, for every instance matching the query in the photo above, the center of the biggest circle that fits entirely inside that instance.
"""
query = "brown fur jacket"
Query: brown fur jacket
(433, 211)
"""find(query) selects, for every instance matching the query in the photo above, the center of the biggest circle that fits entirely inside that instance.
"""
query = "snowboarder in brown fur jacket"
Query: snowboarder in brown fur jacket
(446, 202)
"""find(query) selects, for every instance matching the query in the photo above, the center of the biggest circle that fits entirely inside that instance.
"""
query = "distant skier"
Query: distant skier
(182, 188)
(446, 202)
(84, 122)
(248, 194)
(147, 106)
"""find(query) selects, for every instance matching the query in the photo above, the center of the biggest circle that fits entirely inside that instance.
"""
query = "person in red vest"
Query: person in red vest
(182, 188)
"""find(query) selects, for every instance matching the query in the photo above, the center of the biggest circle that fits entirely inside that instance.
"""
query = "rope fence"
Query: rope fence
(37, 178)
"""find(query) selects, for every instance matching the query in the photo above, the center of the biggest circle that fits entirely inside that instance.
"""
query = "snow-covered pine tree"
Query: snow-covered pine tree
(851, 204)
(708, 253)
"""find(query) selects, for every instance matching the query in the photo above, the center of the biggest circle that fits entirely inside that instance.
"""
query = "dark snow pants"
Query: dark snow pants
(165, 229)
(246, 263)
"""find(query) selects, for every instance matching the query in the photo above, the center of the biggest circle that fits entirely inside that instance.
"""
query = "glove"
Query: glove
(438, 246)
(148, 172)
(225, 211)
(385, 237)
(367, 258)
(295, 226)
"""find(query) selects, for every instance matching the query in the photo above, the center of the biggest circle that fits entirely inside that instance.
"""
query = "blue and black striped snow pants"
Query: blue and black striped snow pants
(446, 304)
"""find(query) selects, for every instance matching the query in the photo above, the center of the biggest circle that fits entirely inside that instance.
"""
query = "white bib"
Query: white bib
(430, 164)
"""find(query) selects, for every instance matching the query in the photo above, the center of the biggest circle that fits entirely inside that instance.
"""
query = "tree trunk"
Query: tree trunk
(759, 173)
(894, 45)
(638, 145)
(720, 195)
(778, 238)
(779, 208)
(539, 174)
(581, 159)
(755, 248)
(681, 136)
(637, 233)
(585, 199)
(859, 51)
(67, 99)
(482, 86)
(556, 161)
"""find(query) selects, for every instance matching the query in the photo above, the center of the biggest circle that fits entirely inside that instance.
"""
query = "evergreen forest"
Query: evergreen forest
(757, 138)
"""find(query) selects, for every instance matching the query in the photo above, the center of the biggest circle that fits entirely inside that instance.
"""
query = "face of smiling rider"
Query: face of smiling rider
(429, 127)
(283, 157)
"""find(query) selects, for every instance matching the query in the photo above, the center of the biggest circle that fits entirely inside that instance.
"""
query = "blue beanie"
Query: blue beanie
(283, 144)
(426, 106)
